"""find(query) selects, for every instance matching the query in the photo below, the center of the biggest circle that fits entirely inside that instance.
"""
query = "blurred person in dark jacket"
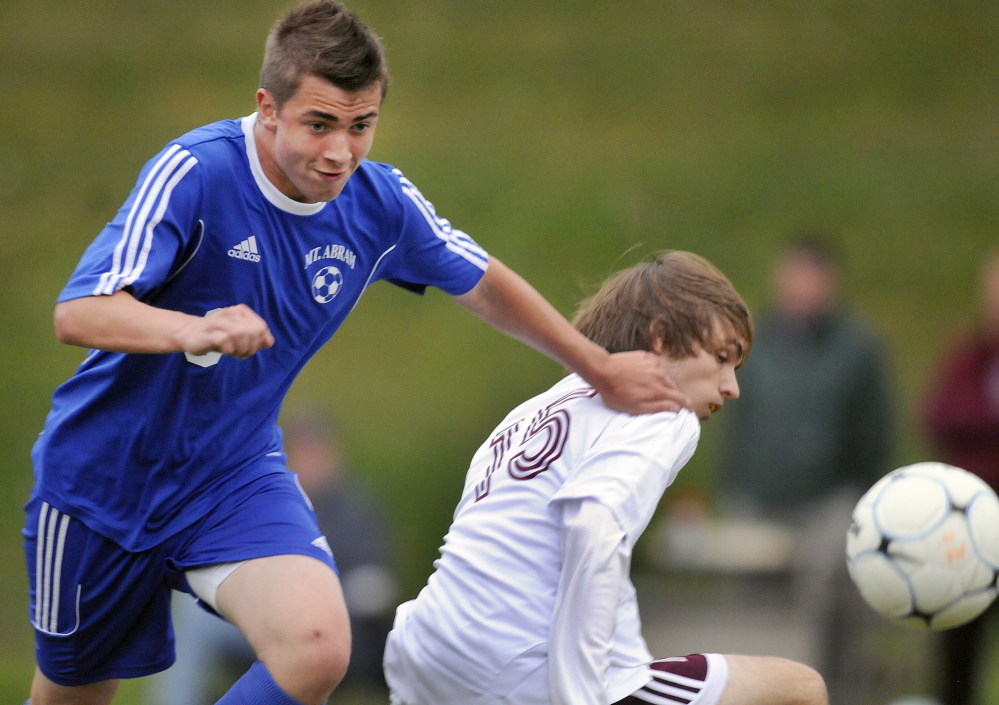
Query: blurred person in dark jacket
(212, 653)
(812, 432)
(962, 423)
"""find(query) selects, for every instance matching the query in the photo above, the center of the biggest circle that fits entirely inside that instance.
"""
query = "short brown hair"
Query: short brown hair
(325, 39)
(678, 299)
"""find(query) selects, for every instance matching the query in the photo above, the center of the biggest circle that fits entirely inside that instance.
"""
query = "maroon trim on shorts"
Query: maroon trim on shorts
(662, 688)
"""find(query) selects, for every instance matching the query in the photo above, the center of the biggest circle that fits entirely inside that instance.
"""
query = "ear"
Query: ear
(267, 109)
(656, 338)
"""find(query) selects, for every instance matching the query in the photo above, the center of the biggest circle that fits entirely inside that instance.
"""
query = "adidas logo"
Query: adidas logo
(247, 250)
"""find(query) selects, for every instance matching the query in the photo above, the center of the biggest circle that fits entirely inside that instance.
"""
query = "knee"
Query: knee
(810, 687)
(310, 664)
(323, 656)
(331, 657)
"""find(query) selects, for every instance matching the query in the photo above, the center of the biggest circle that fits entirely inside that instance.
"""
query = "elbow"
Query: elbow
(67, 323)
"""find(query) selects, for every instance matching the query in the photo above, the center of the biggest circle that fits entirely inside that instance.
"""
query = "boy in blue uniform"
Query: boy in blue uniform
(238, 254)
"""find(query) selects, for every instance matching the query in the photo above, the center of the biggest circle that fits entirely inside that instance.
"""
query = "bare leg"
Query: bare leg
(291, 610)
(45, 692)
(767, 680)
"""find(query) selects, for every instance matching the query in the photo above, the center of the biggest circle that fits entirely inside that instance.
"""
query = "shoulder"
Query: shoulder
(190, 165)
(606, 430)
(222, 131)
(379, 177)
(216, 158)
(570, 399)
(374, 187)
(392, 183)
(663, 430)
(218, 145)
(631, 462)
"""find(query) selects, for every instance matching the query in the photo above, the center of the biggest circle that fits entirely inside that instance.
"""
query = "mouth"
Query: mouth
(714, 407)
(330, 177)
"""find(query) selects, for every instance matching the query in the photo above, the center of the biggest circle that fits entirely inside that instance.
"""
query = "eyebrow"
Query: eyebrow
(333, 118)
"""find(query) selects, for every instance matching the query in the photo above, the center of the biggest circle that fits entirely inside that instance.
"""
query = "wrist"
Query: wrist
(593, 365)
(182, 333)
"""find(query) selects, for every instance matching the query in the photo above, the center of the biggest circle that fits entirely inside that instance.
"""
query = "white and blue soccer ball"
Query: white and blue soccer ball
(923, 548)
(326, 284)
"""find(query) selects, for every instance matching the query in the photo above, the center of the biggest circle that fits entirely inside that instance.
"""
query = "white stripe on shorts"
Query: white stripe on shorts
(39, 555)
(53, 526)
(665, 688)
(666, 684)
(57, 573)
(648, 697)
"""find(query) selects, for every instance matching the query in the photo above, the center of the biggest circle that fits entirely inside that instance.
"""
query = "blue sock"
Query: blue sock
(256, 687)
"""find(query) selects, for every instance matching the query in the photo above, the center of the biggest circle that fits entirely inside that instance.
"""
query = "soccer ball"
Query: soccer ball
(326, 284)
(923, 547)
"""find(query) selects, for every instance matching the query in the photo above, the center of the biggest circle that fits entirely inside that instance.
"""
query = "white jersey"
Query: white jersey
(481, 625)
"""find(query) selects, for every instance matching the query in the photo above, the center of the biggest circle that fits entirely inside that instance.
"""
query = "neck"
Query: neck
(264, 140)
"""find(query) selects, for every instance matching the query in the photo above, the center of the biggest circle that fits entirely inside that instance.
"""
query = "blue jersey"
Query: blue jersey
(139, 446)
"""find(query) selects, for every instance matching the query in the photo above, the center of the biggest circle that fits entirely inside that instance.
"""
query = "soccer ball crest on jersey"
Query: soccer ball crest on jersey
(923, 548)
(326, 284)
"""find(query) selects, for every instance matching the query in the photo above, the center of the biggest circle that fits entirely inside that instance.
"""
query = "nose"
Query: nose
(729, 386)
(337, 148)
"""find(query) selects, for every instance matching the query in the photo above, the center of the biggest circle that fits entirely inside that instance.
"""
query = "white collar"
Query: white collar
(270, 191)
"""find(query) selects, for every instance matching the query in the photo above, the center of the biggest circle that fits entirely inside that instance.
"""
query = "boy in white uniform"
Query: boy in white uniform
(531, 603)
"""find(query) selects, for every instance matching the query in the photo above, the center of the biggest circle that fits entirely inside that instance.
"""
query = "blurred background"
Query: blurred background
(570, 138)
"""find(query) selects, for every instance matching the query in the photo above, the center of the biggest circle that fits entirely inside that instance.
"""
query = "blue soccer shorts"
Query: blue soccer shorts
(101, 612)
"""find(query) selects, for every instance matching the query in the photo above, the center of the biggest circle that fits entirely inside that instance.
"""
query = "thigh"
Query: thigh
(271, 518)
(766, 680)
(280, 601)
(99, 612)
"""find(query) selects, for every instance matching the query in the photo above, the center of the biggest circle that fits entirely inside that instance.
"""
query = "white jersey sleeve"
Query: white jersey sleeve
(632, 463)
(594, 569)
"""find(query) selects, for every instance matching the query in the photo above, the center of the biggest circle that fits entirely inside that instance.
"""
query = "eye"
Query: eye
(316, 127)
(722, 357)
(360, 126)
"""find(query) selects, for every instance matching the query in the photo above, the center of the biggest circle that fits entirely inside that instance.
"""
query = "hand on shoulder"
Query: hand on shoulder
(636, 382)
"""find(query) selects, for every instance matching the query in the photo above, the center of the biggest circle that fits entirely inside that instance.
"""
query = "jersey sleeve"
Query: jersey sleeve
(595, 561)
(631, 464)
(142, 246)
(430, 251)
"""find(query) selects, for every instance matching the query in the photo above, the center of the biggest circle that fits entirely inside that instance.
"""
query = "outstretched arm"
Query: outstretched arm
(121, 323)
(594, 567)
(634, 381)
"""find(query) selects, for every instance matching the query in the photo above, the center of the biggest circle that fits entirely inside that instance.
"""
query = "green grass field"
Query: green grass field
(569, 138)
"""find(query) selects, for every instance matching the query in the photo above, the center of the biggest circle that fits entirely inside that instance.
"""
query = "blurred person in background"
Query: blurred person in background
(212, 654)
(812, 432)
(962, 423)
